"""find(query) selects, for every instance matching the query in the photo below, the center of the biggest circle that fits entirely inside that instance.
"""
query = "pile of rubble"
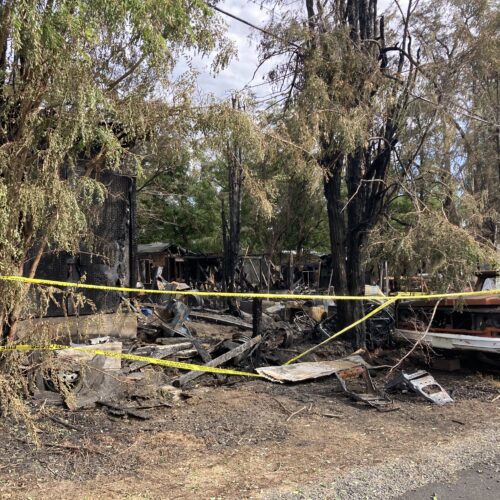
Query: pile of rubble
(260, 342)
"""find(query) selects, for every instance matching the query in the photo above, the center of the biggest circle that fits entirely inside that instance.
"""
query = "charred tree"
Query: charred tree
(354, 178)
(232, 226)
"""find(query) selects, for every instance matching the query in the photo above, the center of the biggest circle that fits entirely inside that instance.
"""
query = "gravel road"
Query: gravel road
(421, 474)
(482, 481)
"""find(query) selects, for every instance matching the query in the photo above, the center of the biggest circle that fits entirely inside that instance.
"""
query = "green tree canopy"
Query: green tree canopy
(80, 89)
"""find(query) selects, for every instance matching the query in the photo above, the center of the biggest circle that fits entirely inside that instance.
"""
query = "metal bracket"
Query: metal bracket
(423, 383)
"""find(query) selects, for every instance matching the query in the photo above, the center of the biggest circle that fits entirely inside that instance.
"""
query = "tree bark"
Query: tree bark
(346, 243)
(361, 171)
(232, 239)
(256, 316)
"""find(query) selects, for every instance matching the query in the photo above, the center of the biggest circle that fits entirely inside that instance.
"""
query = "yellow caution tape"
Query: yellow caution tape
(428, 296)
(187, 366)
(249, 295)
(243, 295)
(132, 357)
(346, 329)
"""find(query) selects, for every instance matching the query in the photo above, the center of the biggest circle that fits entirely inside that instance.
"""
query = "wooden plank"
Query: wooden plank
(171, 340)
(204, 354)
(224, 358)
(157, 352)
(221, 319)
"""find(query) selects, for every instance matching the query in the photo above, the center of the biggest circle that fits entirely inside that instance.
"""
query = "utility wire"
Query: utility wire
(295, 45)
(254, 26)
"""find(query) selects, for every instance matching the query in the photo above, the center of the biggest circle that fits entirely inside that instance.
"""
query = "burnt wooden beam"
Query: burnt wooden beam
(192, 375)
(220, 319)
(204, 354)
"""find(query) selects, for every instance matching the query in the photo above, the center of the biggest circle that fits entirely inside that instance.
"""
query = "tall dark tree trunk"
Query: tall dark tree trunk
(355, 241)
(346, 240)
(354, 210)
(225, 242)
(232, 234)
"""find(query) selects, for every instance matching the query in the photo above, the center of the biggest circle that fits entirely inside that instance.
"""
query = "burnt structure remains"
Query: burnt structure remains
(175, 263)
(109, 260)
(172, 262)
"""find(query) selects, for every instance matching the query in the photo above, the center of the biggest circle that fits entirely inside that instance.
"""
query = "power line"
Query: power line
(295, 45)
(254, 26)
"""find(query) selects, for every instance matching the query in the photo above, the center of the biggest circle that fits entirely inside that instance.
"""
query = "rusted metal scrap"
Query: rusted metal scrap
(463, 324)
(424, 384)
(372, 396)
(345, 369)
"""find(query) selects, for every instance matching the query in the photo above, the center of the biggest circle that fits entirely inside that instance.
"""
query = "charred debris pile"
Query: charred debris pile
(260, 339)
(255, 336)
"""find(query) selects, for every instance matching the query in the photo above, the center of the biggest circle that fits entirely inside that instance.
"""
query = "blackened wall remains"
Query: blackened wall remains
(110, 260)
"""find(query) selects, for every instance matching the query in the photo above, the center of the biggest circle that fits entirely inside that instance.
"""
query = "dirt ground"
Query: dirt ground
(256, 439)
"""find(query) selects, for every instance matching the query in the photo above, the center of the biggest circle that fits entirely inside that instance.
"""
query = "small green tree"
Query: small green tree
(443, 206)
(234, 144)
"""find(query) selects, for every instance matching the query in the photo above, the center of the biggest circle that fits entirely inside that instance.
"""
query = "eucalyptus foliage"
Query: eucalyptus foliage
(80, 83)
(443, 215)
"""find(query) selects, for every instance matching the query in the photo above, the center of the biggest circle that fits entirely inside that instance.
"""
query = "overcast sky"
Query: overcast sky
(242, 66)
(241, 69)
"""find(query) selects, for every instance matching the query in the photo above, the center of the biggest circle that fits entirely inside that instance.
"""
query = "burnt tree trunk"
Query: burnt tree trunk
(232, 234)
(355, 241)
(225, 241)
(346, 240)
(256, 316)
(354, 181)
(336, 225)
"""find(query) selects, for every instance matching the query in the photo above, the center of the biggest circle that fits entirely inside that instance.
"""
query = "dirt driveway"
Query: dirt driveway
(256, 439)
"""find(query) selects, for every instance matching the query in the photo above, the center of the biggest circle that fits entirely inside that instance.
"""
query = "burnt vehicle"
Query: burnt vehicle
(463, 323)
